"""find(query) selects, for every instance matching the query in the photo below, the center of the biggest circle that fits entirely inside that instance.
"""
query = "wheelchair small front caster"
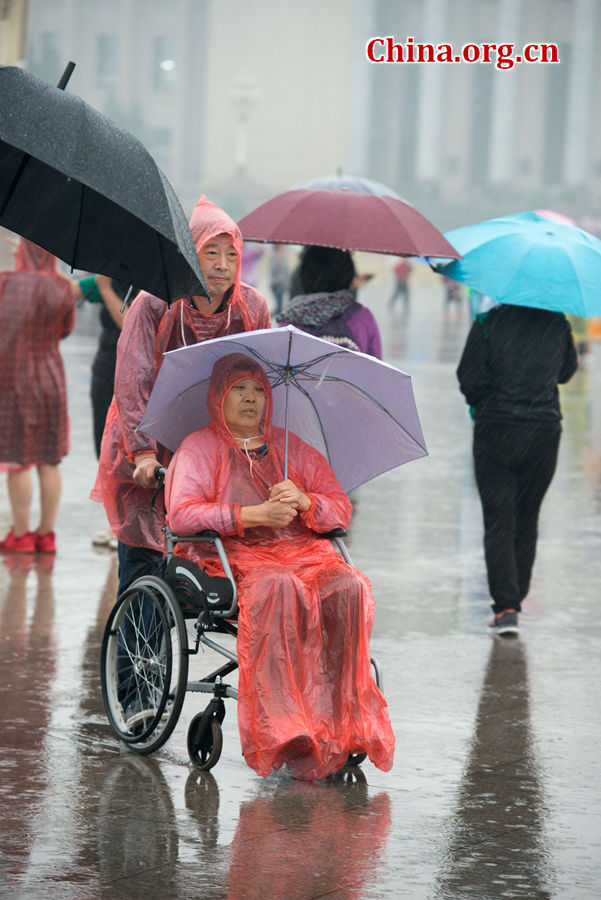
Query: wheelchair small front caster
(355, 759)
(205, 740)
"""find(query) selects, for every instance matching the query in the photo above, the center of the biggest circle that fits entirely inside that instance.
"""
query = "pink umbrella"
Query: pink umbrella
(348, 220)
(557, 217)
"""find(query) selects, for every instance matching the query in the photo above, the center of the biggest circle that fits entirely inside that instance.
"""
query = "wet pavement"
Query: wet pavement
(496, 787)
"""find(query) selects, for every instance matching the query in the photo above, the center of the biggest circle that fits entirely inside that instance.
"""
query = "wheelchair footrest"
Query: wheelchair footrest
(208, 687)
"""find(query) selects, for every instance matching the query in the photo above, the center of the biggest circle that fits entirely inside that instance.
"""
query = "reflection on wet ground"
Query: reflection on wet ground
(496, 787)
(497, 845)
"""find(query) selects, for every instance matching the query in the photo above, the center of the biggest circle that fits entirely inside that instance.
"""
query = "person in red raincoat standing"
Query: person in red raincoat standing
(128, 458)
(307, 696)
(37, 310)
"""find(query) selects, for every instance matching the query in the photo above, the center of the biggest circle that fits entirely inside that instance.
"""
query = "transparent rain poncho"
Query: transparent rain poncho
(37, 310)
(151, 328)
(306, 692)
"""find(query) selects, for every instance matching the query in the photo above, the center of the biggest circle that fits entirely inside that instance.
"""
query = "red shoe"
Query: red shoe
(24, 544)
(45, 543)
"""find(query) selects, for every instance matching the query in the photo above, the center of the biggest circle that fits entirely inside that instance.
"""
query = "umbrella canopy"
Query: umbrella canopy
(348, 220)
(340, 182)
(89, 192)
(557, 217)
(530, 260)
(358, 412)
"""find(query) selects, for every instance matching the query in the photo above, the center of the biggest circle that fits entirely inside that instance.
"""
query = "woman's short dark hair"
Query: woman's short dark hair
(325, 270)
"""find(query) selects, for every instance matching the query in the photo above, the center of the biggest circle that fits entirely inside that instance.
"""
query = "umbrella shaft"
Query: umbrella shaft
(14, 182)
(286, 435)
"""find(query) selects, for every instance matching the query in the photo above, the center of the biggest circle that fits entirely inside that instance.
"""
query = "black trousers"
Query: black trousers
(101, 393)
(135, 562)
(514, 465)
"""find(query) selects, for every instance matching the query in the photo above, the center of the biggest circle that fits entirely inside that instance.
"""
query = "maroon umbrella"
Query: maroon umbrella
(348, 220)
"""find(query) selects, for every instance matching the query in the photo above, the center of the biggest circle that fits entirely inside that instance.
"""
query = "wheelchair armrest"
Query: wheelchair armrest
(335, 536)
(215, 537)
(199, 536)
(331, 535)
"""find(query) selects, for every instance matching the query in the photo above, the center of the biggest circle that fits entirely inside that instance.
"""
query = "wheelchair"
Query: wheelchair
(146, 652)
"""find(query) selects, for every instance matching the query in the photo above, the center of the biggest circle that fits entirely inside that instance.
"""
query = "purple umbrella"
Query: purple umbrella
(358, 412)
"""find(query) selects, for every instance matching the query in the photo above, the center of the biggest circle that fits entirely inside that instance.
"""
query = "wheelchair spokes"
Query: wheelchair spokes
(145, 664)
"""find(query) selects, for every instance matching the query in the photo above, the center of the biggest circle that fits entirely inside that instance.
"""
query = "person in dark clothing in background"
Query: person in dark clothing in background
(111, 296)
(512, 362)
(103, 367)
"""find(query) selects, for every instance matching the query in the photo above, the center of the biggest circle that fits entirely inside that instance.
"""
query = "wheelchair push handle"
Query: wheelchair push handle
(159, 474)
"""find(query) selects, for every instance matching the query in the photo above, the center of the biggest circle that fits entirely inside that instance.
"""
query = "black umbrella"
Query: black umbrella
(78, 185)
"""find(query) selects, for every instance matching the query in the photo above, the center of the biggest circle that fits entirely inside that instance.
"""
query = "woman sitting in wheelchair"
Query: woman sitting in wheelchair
(307, 697)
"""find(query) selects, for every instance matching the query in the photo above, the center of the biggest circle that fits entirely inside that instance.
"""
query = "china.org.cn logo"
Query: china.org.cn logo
(502, 56)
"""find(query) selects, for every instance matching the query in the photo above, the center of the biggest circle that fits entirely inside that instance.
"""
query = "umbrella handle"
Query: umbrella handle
(64, 79)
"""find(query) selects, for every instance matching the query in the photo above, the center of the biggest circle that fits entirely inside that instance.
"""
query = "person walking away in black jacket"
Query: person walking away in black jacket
(513, 360)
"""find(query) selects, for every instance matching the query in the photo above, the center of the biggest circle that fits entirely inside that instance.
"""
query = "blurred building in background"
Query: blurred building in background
(245, 98)
(13, 27)
(481, 137)
(141, 62)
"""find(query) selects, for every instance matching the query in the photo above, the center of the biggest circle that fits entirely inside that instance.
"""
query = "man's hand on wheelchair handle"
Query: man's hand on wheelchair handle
(145, 471)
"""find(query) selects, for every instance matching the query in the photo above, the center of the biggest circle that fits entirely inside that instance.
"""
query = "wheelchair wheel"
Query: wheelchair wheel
(144, 667)
(205, 741)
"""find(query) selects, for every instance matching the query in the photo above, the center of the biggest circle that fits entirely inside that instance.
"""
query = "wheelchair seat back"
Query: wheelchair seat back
(195, 590)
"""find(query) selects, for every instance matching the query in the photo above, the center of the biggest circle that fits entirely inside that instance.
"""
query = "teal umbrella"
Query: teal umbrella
(529, 260)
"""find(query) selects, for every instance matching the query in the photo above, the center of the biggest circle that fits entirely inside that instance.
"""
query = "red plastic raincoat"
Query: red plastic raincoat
(37, 310)
(151, 328)
(306, 693)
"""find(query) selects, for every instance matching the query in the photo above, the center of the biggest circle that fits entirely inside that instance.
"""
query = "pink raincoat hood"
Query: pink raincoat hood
(206, 222)
(227, 371)
(31, 258)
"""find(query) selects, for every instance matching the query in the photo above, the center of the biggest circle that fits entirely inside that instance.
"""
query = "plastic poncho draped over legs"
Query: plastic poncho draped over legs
(151, 328)
(306, 692)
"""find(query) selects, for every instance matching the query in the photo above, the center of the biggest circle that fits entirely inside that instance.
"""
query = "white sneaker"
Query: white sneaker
(104, 539)
(101, 538)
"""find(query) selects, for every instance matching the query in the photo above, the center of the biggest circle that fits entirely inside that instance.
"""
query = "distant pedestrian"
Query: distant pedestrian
(512, 362)
(580, 329)
(110, 296)
(402, 271)
(279, 275)
(37, 310)
(453, 291)
(252, 254)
